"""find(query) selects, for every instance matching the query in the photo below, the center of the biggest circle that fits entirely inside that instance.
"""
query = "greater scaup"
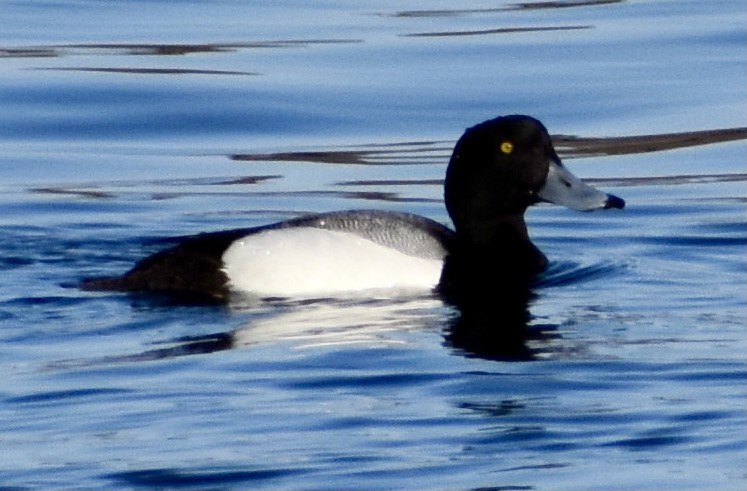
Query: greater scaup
(498, 168)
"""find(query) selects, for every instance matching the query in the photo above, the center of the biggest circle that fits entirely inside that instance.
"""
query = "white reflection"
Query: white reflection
(336, 322)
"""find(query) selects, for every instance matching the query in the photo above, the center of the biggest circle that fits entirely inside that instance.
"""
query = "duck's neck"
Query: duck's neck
(493, 231)
(491, 257)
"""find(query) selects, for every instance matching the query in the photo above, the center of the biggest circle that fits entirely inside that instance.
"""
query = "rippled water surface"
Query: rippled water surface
(123, 122)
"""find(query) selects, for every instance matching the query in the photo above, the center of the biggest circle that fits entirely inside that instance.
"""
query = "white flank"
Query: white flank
(306, 261)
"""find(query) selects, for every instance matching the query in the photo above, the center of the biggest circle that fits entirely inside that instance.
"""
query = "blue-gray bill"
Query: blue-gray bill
(563, 188)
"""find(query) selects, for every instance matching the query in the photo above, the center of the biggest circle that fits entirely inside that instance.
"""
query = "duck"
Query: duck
(497, 170)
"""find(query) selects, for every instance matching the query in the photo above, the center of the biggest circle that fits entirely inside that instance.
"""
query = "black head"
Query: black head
(502, 166)
(496, 169)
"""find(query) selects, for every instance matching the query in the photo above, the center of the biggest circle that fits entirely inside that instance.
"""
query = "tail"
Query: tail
(193, 268)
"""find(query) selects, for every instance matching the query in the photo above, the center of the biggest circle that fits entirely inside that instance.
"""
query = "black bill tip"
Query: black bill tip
(614, 202)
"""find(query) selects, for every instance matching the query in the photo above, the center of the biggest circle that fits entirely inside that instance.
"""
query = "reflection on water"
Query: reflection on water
(573, 146)
(309, 323)
(411, 153)
(512, 6)
(379, 154)
(503, 30)
(339, 322)
(68, 50)
(148, 71)
(567, 146)
(496, 332)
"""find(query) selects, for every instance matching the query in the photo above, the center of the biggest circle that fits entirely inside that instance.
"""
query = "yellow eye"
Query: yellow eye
(507, 147)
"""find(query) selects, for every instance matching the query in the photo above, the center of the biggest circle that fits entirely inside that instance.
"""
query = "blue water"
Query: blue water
(123, 122)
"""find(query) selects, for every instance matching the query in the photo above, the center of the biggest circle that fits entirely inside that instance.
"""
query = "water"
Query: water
(124, 122)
